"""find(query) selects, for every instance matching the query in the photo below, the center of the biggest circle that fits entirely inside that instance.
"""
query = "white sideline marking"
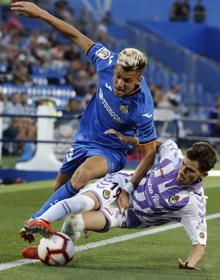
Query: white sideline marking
(113, 240)
(4, 266)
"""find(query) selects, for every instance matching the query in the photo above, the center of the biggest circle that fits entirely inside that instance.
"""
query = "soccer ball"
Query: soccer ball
(56, 250)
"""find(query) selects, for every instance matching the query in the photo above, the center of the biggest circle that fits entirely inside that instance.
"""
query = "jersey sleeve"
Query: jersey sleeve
(194, 222)
(146, 131)
(101, 57)
(169, 150)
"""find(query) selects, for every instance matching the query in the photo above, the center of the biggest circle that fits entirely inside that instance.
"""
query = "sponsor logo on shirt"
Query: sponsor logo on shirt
(124, 108)
(108, 86)
(202, 235)
(110, 59)
(147, 115)
(153, 198)
(156, 200)
(173, 199)
(106, 194)
(108, 108)
(103, 53)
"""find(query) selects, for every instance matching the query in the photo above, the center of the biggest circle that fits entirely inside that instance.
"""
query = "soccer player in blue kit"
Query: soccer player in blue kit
(122, 102)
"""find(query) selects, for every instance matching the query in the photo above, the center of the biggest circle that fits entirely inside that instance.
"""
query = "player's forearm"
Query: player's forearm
(131, 141)
(158, 144)
(196, 254)
(145, 164)
(67, 30)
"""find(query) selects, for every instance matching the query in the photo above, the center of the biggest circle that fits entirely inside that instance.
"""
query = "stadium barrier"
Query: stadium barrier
(44, 163)
(44, 157)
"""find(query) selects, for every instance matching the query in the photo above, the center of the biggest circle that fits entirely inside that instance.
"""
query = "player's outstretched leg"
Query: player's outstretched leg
(64, 192)
(39, 226)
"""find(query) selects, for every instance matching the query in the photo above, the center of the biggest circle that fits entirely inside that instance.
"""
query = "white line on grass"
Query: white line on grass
(113, 240)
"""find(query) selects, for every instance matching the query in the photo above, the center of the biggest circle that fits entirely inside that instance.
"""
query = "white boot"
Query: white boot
(73, 226)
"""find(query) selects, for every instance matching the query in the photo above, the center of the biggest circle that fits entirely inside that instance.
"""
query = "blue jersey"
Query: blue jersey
(130, 115)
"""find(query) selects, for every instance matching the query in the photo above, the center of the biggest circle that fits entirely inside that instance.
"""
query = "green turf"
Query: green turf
(9, 161)
(151, 257)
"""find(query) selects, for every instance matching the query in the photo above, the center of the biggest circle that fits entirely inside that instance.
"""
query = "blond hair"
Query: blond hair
(131, 59)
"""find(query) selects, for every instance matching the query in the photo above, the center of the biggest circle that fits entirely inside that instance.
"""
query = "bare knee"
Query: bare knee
(80, 178)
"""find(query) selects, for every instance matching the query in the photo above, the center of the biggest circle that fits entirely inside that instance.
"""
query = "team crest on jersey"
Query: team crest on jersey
(173, 199)
(202, 235)
(103, 53)
(124, 109)
(106, 194)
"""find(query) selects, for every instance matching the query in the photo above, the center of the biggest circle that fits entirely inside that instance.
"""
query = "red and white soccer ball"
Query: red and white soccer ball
(56, 250)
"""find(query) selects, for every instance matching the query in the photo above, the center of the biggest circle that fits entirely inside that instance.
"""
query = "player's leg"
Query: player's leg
(99, 221)
(85, 163)
(76, 204)
(92, 168)
(64, 192)
(94, 221)
(75, 225)
(61, 180)
(62, 186)
(99, 162)
(100, 195)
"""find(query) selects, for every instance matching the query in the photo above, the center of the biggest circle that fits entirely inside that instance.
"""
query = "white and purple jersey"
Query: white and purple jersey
(159, 199)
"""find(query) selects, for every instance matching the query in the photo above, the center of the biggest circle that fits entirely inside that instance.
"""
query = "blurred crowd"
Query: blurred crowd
(181, 11)
(22, 50)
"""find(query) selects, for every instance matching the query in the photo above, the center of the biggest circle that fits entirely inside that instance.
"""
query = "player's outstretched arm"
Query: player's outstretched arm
(31, 10)
(195, 256)
(148, 153)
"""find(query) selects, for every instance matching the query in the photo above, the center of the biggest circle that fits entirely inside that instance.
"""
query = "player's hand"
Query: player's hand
(26, 9)
(122, 138)
(184, 265)
(123, 200)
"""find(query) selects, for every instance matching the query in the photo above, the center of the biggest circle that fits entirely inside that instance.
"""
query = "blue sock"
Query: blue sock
(66, 191)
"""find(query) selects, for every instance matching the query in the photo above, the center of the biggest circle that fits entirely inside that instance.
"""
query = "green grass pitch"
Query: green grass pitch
(150, 257)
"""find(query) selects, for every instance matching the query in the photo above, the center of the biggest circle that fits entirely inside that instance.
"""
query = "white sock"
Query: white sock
(76, 204)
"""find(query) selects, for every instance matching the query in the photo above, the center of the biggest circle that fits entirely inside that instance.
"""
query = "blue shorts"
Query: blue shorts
(79, 152)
